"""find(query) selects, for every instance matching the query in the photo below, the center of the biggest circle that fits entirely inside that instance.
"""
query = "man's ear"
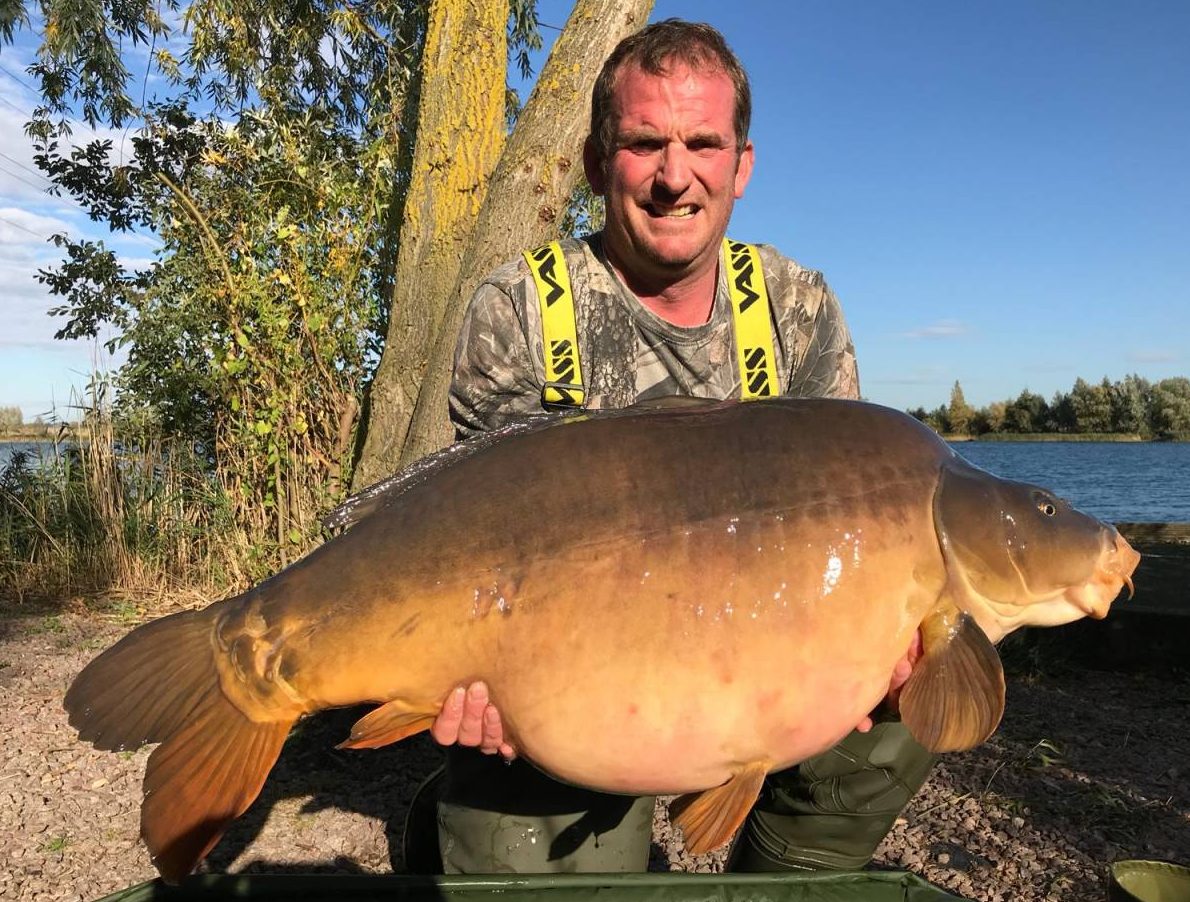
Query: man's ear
(593, 167)
(743, 170)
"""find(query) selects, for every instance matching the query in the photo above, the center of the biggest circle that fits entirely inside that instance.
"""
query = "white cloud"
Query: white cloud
(48, 346)
(135, 263)
(21, 226)
(943, 328)
(1154, 356)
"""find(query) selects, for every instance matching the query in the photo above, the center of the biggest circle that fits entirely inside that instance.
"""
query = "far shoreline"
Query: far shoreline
(1072, 437)
(50, 435)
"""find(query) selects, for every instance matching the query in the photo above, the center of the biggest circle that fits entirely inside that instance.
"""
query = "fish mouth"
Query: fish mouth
(1113, 571)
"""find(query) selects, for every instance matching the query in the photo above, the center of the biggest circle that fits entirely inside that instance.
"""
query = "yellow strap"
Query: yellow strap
(750, 310)
(563, 376)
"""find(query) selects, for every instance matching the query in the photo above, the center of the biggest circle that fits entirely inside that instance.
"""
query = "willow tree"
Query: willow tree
(460, 132)
(523, 206)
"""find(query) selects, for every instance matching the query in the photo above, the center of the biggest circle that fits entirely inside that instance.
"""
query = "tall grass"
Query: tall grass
(106, 511)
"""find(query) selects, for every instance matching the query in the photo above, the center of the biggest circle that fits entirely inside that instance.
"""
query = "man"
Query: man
(669, 152)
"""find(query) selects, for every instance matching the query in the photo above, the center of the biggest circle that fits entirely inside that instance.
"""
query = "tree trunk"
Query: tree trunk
(460, 131)
(528, 193)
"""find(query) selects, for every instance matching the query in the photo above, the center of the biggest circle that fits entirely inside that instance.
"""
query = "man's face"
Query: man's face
(673, 175)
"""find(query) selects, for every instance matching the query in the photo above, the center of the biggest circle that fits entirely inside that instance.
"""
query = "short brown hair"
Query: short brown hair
(655, 49)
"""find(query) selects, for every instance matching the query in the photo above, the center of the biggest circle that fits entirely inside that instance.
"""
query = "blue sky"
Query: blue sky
(999, 192)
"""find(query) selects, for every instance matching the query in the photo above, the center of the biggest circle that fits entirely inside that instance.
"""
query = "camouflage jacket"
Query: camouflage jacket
(627, 353)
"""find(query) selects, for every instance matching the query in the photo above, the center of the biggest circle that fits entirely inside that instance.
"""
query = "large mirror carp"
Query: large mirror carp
(726, 586)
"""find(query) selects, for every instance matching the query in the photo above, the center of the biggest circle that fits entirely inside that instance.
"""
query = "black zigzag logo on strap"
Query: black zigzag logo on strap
(562, 358)
(756, 375)
(546, 261)
(741, 264)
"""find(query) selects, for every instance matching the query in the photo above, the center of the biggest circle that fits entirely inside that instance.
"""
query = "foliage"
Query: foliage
(959, 413)
(584, 213)
(1027, 413)
(254, 332)
(1133, 406)
(1170, 409)
(10, 418)
(273, 173)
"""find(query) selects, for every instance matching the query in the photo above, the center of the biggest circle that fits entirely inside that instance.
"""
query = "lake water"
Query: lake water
(8, 449)
(1147, 482)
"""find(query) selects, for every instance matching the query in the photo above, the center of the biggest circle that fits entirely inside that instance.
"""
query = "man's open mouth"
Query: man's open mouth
(680, 212)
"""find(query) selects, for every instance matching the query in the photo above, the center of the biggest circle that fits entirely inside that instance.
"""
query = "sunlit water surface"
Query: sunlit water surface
(1146, 482)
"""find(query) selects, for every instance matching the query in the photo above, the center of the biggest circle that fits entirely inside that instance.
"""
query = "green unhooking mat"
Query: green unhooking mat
(860, 886)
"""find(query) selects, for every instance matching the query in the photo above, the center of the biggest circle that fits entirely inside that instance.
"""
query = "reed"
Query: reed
(113, 510)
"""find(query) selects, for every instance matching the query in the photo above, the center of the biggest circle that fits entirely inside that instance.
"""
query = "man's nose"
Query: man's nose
(674, 173)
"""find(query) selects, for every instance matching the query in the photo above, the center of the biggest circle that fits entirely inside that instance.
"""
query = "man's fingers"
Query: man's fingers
(900, 675)
(475, 702)
(493, 735)
(469, 719)
(903, 670)
(446, 725)
(493, 731)
(915, 648)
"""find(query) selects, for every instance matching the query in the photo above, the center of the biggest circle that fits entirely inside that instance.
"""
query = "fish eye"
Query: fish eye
(1045, 504)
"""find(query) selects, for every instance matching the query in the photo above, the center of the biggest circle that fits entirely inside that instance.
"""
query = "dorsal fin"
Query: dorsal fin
(671, 402)
(381, 494)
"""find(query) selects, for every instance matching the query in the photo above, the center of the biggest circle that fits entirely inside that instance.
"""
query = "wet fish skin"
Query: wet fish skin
(708, 577)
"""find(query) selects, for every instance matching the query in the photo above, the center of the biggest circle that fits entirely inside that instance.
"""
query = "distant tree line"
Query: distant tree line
(10, 418)
(1132, 406)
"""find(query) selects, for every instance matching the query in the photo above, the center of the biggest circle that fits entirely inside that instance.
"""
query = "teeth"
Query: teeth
(676, 213)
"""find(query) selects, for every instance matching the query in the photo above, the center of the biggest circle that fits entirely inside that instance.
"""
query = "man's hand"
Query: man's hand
(900, 676)
(469, 719)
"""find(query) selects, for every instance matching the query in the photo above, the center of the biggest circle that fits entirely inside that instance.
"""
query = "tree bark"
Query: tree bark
(460, 132)
(528, 193)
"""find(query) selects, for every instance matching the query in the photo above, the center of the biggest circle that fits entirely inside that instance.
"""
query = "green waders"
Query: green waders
(830, 812)
(482, 816)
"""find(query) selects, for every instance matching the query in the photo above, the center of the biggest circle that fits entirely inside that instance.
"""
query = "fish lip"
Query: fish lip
(1117, 562)
(1121, 562)
(1089, 599)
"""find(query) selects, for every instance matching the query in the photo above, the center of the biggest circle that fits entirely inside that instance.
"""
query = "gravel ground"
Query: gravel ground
(1088, 767)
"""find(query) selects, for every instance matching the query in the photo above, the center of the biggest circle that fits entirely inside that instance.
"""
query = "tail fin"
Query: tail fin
(159, 684)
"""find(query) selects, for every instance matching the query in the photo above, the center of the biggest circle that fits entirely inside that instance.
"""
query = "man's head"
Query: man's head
(655, 49)
(669, 152)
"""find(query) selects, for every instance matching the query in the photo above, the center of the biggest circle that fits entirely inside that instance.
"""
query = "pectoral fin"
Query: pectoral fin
(709, 819)
(389, 723)
(954, 698)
